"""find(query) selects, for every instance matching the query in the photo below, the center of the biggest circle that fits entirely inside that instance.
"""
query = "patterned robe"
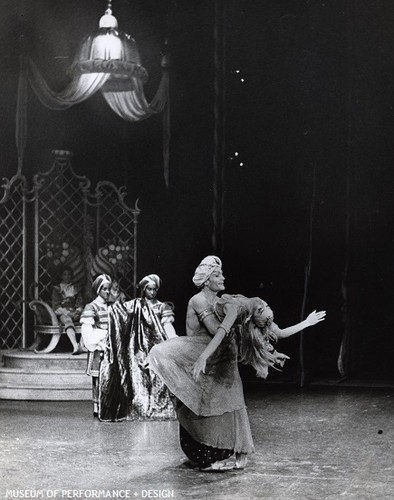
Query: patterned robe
(128, 391)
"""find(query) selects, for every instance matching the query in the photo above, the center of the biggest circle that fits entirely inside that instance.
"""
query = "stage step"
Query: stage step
(29, 360)
(26, 375)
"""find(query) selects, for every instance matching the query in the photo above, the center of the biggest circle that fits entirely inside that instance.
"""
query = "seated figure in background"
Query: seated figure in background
(67, 304)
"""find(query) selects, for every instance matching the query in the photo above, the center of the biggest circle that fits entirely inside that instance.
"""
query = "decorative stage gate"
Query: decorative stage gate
(58, 223)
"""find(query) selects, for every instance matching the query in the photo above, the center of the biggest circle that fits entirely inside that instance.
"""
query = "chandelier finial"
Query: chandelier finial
(108, 20)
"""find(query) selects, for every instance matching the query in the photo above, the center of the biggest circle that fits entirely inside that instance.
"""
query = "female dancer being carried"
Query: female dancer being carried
(201, 369)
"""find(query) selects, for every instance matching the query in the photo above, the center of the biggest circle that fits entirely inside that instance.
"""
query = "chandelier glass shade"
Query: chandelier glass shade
(111, 52)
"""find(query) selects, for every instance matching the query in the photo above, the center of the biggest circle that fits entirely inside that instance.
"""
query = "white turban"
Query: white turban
(206, 267)
(150, 279)
(101, 280)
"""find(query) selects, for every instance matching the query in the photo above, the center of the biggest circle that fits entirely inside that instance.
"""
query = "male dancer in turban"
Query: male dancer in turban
(201, 369)
(211, 409)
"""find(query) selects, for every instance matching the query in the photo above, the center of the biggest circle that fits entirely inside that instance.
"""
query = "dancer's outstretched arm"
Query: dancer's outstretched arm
(313, 318)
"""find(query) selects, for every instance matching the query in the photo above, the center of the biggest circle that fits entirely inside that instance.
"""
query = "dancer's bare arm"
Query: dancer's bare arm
(313, 318)
(219, 331)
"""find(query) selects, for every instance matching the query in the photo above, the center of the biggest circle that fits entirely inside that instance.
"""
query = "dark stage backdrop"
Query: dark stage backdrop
(312, 123)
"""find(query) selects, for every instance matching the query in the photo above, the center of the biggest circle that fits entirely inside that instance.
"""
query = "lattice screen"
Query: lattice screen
(60, 222)
(92, 232)
(12, 263)
(116, 234)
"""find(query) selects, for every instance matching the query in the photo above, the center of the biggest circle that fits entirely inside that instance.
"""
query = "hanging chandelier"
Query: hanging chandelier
(111, 52)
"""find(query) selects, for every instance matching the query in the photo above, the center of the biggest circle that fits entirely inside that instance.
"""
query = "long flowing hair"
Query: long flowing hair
(253, 332)
(255, 347)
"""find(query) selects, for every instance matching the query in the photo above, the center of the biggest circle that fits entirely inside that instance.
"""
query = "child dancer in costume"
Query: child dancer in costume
(94, 321)
(150, 324)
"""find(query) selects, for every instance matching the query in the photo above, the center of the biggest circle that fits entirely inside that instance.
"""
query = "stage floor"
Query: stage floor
(311, 444)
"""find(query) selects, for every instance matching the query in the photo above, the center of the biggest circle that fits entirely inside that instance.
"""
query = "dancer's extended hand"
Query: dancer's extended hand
(199, 366)
(280, 358)
(315, 317)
